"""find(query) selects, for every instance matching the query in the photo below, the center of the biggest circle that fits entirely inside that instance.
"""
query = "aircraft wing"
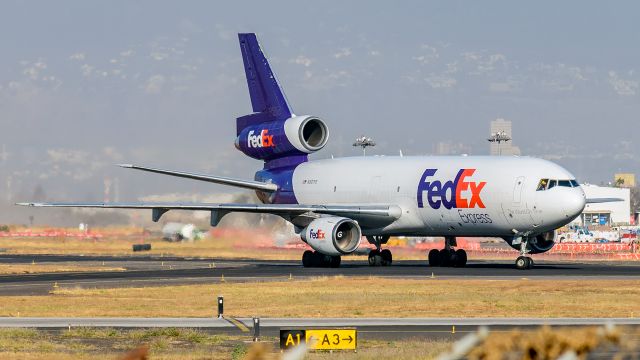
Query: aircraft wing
(380, 212)
(248, 184)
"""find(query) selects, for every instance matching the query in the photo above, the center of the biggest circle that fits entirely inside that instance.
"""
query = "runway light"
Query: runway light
(256, 329)
(220, 307)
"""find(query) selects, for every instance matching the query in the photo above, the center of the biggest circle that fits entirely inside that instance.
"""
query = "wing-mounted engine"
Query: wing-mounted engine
(538, 244)
(298, 135)
(333, 235)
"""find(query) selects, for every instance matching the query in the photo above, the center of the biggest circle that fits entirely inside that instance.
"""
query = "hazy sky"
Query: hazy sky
(87, 84)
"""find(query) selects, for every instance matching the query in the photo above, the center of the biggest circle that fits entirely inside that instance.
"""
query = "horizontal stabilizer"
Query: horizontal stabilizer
(248, 184)
(602, 200)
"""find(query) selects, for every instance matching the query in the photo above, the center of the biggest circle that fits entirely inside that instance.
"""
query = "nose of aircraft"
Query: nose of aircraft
(574, 202)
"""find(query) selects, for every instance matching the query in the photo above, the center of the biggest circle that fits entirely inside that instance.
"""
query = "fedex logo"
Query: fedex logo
(262, 140)
(318, 234)
(450, 194)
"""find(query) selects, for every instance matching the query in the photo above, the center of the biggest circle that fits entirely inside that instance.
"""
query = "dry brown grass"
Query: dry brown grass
(347, 297)
(218, 248)
(548, 343)
(240, 245)
(89, 343)
(408, 349)
(51, 268)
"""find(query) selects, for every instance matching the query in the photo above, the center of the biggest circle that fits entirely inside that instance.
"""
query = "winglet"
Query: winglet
(128, 166)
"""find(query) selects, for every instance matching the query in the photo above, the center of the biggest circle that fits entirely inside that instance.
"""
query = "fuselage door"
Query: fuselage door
(517, 190)
(517, 213)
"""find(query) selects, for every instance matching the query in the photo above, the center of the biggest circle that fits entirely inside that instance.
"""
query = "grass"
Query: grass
(231, 247)
(174, 343)
(81, 343)
(346, 297)
(50, 268)
(177, 343)
(233, 244)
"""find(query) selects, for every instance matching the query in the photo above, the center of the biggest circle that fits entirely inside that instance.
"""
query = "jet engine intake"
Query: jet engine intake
(543, 242)
(537, 244)
(306, 133)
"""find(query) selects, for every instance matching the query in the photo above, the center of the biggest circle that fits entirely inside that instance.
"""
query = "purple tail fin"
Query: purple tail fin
(267, 98)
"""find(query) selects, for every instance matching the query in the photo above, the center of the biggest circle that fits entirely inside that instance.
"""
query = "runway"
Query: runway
(153, 270)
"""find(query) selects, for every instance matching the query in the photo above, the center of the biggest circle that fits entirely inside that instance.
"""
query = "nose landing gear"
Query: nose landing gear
(448, 257)
(524, 262)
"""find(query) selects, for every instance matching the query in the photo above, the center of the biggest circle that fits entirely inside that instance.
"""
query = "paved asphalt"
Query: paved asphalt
(372, 328)
(149, 271)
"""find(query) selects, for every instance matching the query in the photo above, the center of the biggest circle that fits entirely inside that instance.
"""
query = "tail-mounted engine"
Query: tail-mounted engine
(333, 235)
(298, 135)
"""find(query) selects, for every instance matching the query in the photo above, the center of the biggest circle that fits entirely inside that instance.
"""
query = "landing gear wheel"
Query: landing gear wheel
(387, 258)
(460, 258)
(335, 262)
(376, 259)
(316, 259)
(434, 257)
(307, 258)
(524, 263)
(445, 257)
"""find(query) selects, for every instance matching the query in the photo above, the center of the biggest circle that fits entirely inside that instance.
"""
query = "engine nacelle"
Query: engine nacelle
(298, 135)
(333, 235)
(539, 243)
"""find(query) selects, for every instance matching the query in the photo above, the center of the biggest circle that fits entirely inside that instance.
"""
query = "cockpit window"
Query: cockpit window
(546, 184)
(564, 183)
(542, 185)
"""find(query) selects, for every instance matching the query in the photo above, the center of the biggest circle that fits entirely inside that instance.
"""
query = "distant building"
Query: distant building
(450, 148)
(626, 180)
(503, 148)
(606, 213)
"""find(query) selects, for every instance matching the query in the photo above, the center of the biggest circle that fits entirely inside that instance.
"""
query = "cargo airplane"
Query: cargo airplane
(334, 203)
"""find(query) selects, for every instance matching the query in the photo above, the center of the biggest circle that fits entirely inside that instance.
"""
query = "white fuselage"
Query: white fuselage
(495, 196)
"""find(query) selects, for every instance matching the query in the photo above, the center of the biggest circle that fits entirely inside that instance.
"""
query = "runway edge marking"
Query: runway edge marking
(237, 323)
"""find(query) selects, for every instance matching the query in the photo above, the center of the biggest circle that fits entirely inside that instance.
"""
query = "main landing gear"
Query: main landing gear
(524, 262)
(379, 257)
(316, 259)
(448, 257)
